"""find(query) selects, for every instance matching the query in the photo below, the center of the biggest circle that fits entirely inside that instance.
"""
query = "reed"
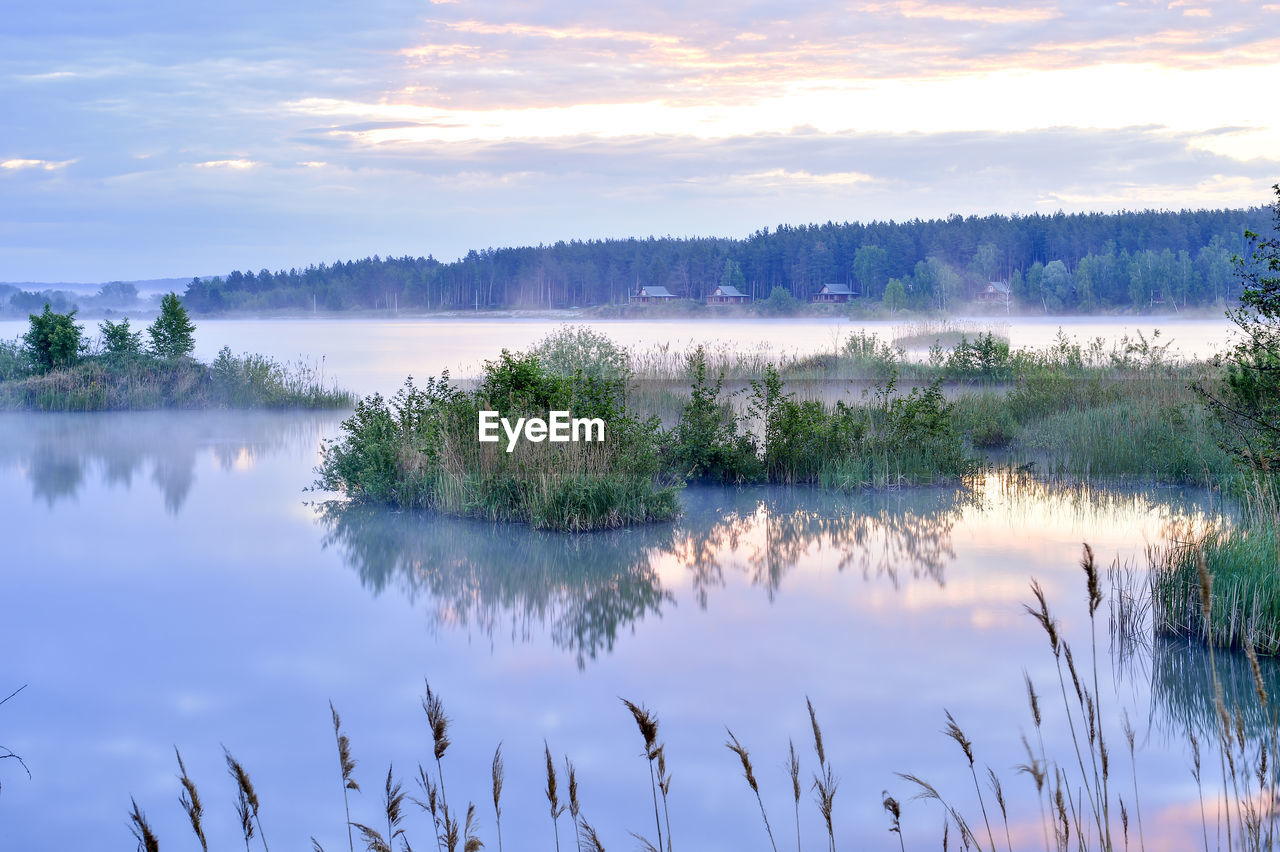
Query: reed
(749, 773)
(142, 829)
(1080, 803)
(498, 775)
(653, 752)
(346, 765)
(189, 798)
(247, 804)
(553, 796)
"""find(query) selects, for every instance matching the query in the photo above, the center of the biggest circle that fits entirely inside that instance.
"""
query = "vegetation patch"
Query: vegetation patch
(53, 367)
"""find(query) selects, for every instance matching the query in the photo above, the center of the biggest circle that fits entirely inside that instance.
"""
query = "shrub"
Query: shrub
(706, 443)
(54, 340)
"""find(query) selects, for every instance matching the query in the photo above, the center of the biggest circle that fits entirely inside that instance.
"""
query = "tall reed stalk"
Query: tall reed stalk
(346, 765)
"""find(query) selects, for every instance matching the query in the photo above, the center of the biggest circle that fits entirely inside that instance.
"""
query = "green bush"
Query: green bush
(706, 443)
(54, 340)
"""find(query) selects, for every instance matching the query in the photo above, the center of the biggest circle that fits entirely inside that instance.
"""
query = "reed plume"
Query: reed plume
(737, 748)
(499, 773)
(895, 811)
(347, 766)
(574, 806)
(247, 800)
(439, 724)
(470, 842)
(648, 725)
(553, 796)
(793, 767)
(953, 731)
(142, 829)
(190, 800)
(591, 840)
(824, 780)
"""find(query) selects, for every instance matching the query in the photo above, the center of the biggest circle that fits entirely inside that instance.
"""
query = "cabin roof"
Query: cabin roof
(838, 289)
(655, 290)
(728, 290)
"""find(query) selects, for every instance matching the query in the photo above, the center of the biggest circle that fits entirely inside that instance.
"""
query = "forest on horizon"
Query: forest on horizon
(1059, 263)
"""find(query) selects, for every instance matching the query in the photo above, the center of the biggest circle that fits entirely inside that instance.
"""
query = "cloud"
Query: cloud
(248, 134)
(46, 165)
(237, 164)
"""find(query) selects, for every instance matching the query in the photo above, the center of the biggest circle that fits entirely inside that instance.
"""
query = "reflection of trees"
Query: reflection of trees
(475, 573)
(584, 589)
(59, 453)
(878, 533)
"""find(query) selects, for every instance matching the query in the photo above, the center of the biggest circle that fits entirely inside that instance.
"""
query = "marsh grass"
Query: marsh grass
(945, 333)
(136, 383)
(1242, 561)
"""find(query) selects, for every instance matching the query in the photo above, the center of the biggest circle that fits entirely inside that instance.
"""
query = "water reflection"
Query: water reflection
(1182, 689)
(60, 454)
(583, 590)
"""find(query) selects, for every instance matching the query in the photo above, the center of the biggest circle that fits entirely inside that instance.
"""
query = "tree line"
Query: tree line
(1077, 262)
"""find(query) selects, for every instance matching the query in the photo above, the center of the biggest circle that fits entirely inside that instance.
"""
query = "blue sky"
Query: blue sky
(163, 139)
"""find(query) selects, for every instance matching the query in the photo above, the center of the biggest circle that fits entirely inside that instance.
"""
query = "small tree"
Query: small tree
(1247, 397)
(895, 294)
(54, 340)
(172, 332)
(118, 340)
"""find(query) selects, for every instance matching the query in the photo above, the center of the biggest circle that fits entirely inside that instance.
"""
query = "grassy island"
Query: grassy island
(863, 415)
(54, 367)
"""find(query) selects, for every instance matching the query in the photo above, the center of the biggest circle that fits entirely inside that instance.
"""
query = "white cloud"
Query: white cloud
(46, 165)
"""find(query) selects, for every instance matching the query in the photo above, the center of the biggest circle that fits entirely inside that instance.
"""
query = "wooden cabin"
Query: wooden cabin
(726, 294)
(652, 295)
(995, 291)
(834, 293)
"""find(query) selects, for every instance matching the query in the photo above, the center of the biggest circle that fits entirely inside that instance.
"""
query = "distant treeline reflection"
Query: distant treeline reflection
(60, 454)
(584, 589)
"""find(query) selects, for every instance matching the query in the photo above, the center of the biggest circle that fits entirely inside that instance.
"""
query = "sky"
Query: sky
(154, 139)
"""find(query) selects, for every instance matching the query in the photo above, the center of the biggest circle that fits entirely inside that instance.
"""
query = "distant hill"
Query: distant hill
(144, 286)
(21, 298)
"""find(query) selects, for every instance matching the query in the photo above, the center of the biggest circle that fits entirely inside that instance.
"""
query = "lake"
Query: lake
(368, 355)
(169, 583)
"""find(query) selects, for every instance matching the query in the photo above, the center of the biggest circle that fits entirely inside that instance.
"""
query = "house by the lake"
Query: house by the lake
(995, 291)
(727, 294)
(652, 295)
(834, 293)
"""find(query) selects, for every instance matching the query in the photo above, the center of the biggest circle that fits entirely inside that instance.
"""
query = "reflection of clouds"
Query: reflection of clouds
(60, 453)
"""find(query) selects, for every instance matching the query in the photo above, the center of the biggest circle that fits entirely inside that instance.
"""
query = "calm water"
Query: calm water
(376, 355)
(167, 582)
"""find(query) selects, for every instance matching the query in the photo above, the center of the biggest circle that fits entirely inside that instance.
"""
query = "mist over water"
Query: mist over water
(375, 355)
(171, 584)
